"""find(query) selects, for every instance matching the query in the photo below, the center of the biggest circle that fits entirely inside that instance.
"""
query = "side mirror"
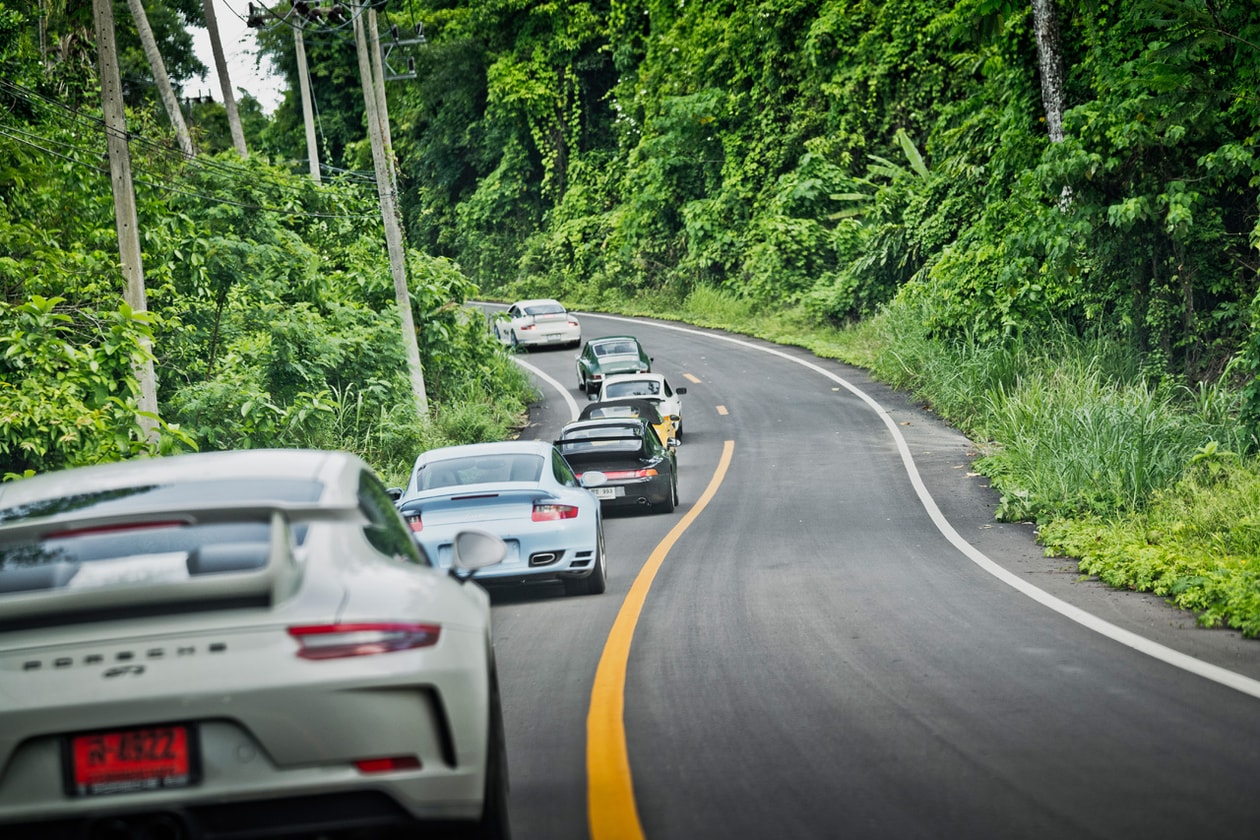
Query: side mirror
(473, 550)
(681, 390)
(394, 493)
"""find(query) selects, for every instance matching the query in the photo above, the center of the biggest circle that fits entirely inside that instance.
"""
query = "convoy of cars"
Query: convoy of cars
(162, 620)
(164, 617)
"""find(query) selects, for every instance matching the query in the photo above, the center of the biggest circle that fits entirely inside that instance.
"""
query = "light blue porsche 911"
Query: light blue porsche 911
(523, 491)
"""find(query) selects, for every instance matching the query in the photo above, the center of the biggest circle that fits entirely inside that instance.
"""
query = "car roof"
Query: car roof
(501, 447)
(598, 422)
(635, 377)
(332, 469)
(538, 301)
(611, 338)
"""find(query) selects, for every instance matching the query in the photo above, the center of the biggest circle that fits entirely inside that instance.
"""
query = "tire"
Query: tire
(668, 506)
(581, 382)
(516, 345)
(596, 583)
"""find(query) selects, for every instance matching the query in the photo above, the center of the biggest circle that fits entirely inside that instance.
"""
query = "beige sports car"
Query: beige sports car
(236, 645)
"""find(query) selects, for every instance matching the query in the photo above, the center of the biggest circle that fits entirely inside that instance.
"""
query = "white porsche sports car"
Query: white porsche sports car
(239, 645)
(537, 323)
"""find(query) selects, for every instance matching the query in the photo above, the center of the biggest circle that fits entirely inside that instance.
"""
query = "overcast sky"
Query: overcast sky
(239, 47)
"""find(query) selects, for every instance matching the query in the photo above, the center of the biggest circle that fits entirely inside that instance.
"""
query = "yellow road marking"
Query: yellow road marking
(721, 409)
(691, 378)
(609, 787)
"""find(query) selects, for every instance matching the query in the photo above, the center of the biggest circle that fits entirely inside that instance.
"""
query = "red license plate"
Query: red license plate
(152, 758)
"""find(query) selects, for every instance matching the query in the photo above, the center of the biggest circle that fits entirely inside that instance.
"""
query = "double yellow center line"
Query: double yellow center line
(610, 789)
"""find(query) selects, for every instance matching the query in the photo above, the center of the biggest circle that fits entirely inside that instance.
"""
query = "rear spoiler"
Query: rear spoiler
(226, 574)
(438, 495)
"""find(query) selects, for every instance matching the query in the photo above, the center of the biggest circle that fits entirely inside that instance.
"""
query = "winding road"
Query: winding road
(831, 637)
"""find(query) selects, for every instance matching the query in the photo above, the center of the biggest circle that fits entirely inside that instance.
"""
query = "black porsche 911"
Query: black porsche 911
(640, 471)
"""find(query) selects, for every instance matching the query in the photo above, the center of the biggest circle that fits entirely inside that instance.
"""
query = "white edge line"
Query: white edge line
(1176, 658)
(564, 392)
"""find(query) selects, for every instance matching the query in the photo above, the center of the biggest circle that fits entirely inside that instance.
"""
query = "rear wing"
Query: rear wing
(35, 583)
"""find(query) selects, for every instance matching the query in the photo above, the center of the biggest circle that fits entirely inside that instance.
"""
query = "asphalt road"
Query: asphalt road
(842, 645)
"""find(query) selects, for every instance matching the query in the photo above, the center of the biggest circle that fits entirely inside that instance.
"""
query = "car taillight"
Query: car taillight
(335, 641)
(527, 326)
(413, 522)
(613, 474)
(550, 513)
(388, 764)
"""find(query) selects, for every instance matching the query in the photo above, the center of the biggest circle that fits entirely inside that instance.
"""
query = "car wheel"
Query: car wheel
(514, 342)
(597, 581)
(678, 430)
(581, 382)
(672, 499)
(493, 824)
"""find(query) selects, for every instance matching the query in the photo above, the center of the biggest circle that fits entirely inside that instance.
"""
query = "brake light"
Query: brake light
(336, 641)
(551, 513)
(614, 474)
(527, 326)
(388, 764)
(413, 522)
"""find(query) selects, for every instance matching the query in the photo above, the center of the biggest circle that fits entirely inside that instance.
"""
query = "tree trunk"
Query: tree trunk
(169, 101)
(1050, 59)
(225, 83)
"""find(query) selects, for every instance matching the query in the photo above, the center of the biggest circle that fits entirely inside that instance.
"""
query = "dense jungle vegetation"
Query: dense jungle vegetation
(1040, 217)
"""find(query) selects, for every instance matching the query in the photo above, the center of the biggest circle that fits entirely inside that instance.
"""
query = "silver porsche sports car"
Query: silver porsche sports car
(238, 645)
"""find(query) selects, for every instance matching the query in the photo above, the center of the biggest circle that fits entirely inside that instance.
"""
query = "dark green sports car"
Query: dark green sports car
(609, 355)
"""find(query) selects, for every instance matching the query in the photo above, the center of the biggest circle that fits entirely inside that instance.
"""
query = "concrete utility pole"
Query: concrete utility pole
(225, 83)
(389, 215)
(308, 111)
(167, 93)
(378, 86)
(124, 202)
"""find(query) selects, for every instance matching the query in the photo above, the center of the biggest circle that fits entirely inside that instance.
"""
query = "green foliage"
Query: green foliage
(1196, 543)
(67, 387)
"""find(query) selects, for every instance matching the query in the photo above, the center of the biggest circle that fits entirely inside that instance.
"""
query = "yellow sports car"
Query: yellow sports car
(662, 423)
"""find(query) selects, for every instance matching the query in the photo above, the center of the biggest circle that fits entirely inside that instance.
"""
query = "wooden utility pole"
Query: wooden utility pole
(389, 215)
(225, 83)
(167, 93)
(308, 111)
(125, 219)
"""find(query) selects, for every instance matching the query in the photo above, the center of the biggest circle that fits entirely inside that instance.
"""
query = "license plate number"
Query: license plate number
(125, 761)
(607, 492)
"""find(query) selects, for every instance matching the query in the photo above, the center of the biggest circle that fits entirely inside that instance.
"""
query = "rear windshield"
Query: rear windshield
(545, 309)
(646, 388)
(618, 348)
(130, 554)
(479, 469)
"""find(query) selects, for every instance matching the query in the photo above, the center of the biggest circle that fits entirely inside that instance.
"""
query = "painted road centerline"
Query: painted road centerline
(609, 786)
